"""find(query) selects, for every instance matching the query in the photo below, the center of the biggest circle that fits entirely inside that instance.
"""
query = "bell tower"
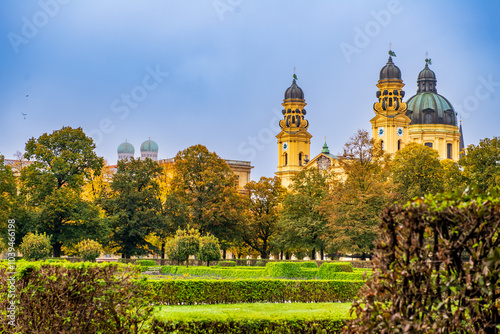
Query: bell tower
(293, 141)
(390, 124)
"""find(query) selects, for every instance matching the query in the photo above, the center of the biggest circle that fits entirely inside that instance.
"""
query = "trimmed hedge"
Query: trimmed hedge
(196, 291)
(249, 326)
(308, 264)
(227, 264)
(327, 269)
(213, 271)
(283, 269)
(146, 263)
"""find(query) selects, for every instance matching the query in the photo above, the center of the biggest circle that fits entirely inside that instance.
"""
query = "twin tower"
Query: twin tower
(427, 118)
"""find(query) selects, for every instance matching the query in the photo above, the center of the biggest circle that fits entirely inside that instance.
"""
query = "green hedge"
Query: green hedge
(326, 269)
(226, 264)
(213, 271)
(146, 263)
(197, 291)
(249, 326)
(308, 264)
(283, 269)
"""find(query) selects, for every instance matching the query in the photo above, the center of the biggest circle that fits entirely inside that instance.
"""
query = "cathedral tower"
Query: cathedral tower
(293, 141)
(390, 124)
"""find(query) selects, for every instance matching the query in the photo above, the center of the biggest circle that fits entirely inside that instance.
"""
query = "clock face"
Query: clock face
(400, 131)
(381, 131)
(285, 146)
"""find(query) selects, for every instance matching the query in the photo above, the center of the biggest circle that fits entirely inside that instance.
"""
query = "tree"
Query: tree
(204, 194)
(209, 249)
(357, 198)
(481, 164)
(302, 224)
(263, 200)
(52, 187)
(184, 244)
(134, 206)
(417, 171)
(36, 246)
(89, 250)
(453, 178)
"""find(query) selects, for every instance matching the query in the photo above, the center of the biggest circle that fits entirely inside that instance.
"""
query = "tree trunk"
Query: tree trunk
(56, 249)
(163, 250)
(313, 254)
(287, 256)
(281, 255)
(322, 254)
(224, 253)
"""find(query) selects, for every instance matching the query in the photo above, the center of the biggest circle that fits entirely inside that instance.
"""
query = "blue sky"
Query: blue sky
(214, 72)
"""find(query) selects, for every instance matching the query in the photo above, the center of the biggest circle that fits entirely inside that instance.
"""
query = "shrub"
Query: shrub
(83, 297)
(89, 250)
(308, 264)
(209, 249)
(227, 264)
(199, 291)
(441, 256)
(282, 269)
(326, 269)
(185, 243)
(145, 263)
(261, 263)
(36, 246)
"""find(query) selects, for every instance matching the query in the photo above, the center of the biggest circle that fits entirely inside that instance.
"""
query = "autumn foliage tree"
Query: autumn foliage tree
(204, 194)
(358, 196)
(481, 164)
(263, 200)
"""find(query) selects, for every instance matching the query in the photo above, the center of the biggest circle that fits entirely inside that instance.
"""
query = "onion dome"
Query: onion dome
(390, 71)
(427, 106)
(149, 146)
(294, 92)
(126, 148)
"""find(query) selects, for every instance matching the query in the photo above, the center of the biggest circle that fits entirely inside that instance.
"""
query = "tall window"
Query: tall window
(382, 144)
(428, 118)
(286, 159)
(399, 144)
(300, 159)
(428, 145)
(449, 151)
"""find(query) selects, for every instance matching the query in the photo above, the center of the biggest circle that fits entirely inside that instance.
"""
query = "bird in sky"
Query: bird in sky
(24, 115)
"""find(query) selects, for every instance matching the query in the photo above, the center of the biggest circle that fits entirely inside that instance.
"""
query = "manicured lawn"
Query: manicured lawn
(254, 311)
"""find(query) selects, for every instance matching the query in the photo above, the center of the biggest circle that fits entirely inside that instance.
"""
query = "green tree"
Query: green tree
(357, 197)
(209, 249)
(52, 187)
(263, 200)
(89, 250)
(184, 244)
(417, 171)
(204, 194)
(36, 246)
(134, 206)
(453, 178)
(481, 164)
(303, 224)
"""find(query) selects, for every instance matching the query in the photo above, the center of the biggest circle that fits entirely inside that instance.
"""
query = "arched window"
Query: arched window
(382, 144)
(286, 159)
(399, 144)
(390, 102)
(300, 159)
(449, 152)
(428, 145)
(428, 118)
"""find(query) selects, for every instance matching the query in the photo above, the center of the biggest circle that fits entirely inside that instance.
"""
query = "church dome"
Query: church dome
(294, 92)
(126, 148)
(430, 108)
(390, 71)
(149, 146)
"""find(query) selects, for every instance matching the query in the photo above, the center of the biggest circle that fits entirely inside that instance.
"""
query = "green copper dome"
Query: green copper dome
(149, 146)
(430, 108)
(126, 148)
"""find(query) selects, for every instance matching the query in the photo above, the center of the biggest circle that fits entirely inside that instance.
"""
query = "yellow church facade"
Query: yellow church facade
(426, 117)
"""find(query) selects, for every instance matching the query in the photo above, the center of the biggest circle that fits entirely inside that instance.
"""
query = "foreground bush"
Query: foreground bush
(36, 246)
(84, 297)
(436, 269)
(190, 292)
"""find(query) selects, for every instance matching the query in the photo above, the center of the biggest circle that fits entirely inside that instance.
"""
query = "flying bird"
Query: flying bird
(24, 115)
(26, 95)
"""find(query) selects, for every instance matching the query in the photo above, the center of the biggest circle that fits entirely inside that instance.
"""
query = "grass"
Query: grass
(253, 311)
